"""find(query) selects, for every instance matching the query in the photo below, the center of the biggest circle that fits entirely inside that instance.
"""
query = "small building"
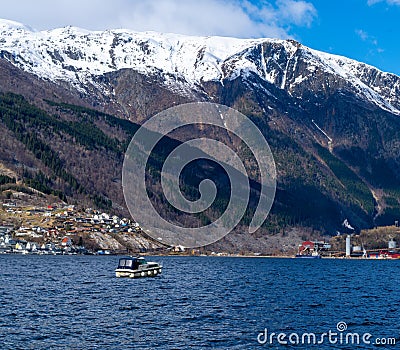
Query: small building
(66, 242)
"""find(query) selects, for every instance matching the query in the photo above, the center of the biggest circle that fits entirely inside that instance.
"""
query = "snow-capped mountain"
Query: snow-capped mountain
(332, 123)
(80, 57)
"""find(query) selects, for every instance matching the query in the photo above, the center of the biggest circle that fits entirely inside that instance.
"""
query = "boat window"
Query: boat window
(128, 263)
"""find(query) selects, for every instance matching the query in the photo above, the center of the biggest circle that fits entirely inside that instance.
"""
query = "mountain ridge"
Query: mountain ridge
(332, 123)
(77, 56)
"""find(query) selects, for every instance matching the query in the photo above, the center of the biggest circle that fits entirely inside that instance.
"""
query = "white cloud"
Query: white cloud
(364, 36)
(206, 17)
(298, 12)
(240, 18)
(390, 2)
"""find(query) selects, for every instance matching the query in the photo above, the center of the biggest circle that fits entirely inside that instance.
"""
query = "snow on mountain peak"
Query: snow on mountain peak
(49, 54)
(7, 25)
(77, 56)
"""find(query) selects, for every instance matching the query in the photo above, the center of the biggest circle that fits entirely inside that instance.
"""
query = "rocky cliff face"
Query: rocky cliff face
(333, 123)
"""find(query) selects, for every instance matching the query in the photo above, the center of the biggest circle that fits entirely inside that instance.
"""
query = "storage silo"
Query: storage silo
(348, 245)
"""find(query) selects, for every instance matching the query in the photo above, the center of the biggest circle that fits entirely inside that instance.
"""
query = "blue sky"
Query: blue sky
(365, 30)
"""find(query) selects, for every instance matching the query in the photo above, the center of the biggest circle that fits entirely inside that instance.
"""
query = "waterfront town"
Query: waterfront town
(61, 229)
(33, 224)
(64, 229)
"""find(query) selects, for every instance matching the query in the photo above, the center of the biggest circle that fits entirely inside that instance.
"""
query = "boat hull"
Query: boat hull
(139, 273)
(308, 256)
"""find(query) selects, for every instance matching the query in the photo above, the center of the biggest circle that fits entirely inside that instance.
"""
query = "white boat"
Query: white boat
(135, 267)
(313, 255)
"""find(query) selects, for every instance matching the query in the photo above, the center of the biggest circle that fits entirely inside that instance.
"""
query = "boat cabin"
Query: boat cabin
(131, 263)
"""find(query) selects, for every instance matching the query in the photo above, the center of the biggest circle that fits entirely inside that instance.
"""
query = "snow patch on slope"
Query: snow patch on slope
(353, 71)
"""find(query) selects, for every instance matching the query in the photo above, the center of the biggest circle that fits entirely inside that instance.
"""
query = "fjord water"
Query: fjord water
(76, 302)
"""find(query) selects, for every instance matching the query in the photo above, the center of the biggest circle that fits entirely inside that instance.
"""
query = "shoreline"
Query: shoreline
(199, 256)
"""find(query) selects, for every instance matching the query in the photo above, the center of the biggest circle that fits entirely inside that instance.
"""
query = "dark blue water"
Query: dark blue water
(75, 302)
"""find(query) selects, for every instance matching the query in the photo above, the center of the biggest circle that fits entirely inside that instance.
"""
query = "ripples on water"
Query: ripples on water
(75, 302)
